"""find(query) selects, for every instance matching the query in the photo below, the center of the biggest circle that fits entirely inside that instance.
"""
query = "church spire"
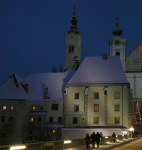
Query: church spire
(117, 30)
(74, 22)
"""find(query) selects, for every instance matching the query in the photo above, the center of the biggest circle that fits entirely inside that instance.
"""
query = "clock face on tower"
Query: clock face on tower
(117, 42)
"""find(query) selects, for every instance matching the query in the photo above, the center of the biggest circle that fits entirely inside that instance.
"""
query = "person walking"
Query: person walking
(93, 137)
(101, 138)
(87, 140)
(98, 137)
(114, 137)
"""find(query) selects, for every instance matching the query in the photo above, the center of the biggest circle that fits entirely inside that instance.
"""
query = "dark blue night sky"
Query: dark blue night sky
(32, 31)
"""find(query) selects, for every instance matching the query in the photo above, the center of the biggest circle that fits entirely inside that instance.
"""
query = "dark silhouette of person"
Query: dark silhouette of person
(98, 137)
(87, 140)
(101, 138)
(114, 137)
(93, 137)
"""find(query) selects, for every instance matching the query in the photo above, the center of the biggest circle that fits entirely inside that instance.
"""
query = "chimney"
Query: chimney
(26, 87)
(104, 56)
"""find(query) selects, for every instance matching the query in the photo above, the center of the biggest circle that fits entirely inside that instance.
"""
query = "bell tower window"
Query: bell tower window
(71, 49)
(117, 53)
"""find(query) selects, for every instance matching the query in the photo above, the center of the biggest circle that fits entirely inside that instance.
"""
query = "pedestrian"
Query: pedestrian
(101, 138)
(93, 137)
(98, 137)
(114, 137)
(87, 140)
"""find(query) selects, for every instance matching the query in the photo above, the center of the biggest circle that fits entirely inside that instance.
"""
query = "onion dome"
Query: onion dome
(74, 22)
(117, 30)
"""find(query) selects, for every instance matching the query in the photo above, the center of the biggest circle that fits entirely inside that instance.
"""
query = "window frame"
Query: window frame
(74, 120)
(55, 107)
(116, 96)
(51, 119)
(76, 108)
(96, 95)
(97, 120)
(115, 107)
(116, 121)
(76, 96)
(96, 107)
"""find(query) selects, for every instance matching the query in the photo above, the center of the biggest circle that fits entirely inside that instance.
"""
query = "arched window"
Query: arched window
(71, 49)
(117, 53)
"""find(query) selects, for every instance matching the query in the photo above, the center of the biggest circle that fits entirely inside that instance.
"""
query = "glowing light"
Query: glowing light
(125, 132)
(17, 147)
(65, 142)
(131, 129)
(106, 137)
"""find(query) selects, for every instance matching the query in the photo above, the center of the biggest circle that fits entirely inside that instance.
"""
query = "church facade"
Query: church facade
(92, 96)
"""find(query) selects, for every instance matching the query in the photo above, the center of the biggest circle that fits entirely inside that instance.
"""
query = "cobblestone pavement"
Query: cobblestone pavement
(104, 146)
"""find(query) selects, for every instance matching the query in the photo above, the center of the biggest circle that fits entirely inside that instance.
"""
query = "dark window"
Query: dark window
(51, 119)
(76, 108)
(41, 108)
(71, 49)
(76, 96)
(59, 119)
(2, 118)
(74, 120)
(117, 120)
(54, 106)
(10, 119)
(117, 54)
(39, 119)
(96, 95)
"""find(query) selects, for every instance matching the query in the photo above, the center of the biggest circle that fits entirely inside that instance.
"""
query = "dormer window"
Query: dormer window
(71, 49)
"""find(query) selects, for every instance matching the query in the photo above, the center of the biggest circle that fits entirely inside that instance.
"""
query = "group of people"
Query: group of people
(93, 138)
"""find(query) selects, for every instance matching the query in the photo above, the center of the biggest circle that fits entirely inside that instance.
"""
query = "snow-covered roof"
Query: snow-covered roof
(14, 87)
(95, 70)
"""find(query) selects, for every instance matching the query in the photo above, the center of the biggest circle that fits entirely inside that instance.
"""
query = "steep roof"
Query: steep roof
(95, 70)
(14, 87)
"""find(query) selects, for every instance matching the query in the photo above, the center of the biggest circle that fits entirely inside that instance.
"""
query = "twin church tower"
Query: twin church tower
(73, 45)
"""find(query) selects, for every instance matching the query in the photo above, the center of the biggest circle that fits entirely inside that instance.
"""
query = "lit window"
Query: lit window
(76, 108)
(4, 108)
(96, 120)
(11, 107)
(76, 96)
(34, 108)
(96, 95)
(74, 121)
(117, 107)
(31, 119)
(117, 120)
(2, 118)
(54, 107)
(53, 131)
(116, 95)
(96, 107)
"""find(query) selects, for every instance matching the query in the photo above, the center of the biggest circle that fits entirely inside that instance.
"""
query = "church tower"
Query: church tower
(117, 44)
(73, 45)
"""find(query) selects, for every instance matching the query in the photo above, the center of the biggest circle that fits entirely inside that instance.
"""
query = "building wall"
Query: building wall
(106, 106)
